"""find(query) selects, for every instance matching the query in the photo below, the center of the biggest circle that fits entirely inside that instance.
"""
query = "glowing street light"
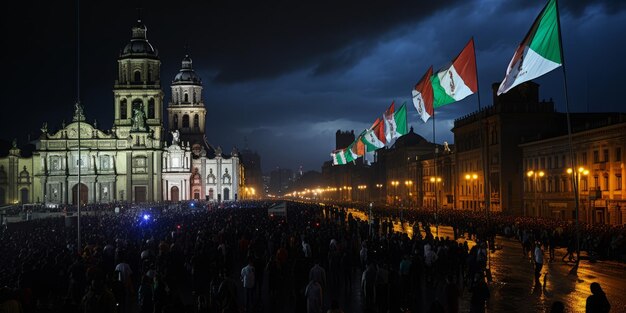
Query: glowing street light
(576, 179)
(534, 175)
(472, 178)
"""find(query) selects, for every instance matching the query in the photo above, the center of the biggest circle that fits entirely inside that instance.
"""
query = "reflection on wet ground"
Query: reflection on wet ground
(513, 288)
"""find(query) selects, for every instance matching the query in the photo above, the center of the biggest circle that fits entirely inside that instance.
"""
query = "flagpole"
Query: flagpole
(569, 140)
(484, 146)
(435, 182)
(79, 121)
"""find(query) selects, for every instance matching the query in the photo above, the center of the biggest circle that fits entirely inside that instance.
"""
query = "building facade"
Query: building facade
(130, 162)
(599, 167)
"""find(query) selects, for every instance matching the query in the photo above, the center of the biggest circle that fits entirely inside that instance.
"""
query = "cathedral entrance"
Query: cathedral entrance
(140, 194)
(84, 194)
(174, 194)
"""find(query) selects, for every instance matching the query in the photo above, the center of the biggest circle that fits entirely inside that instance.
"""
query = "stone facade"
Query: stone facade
(130, 162)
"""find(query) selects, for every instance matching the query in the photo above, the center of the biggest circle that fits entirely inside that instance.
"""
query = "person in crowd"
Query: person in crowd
(248, 278)
(597, 302)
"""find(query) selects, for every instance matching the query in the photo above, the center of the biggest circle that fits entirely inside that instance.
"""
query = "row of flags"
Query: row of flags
(391, 125)
(539, 53)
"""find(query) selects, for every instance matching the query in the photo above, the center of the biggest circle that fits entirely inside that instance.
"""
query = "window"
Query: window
(549, 162)
(584, 158)
(606, 183)
(618, 154)
(137, 76)
(175, 122)
(185, 121)
(596, 183)
(123, 109)
(150, 74)
(605, 152)
(151, 108)
(596, 156)
(584, 183)
(186, 98)
(196, 121)
(618, 182)
(194, 96)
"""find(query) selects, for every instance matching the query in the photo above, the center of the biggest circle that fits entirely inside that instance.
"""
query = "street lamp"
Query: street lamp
(472, 177)
(435, 180)
(395, 184)
(534, 175)
(584, 172)
(378, 186)
(408, 184)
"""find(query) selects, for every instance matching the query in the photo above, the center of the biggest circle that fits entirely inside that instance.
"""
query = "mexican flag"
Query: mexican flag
(539, 52)
(338, 157)
(350, 153)
(423, 96)
(374, 138)
(395, 122)
(457, 81)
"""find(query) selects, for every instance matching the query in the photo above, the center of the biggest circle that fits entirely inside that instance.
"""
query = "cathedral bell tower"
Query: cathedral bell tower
(186, 111)
(137, 90)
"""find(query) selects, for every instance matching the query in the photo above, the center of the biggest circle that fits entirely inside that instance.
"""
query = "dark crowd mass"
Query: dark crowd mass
(201, 257)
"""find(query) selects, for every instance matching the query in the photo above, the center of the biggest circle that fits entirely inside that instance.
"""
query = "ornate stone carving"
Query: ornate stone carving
(139, 119)
(175, 137)
(79, 114)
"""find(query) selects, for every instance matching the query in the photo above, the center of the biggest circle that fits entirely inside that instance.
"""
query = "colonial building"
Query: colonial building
(598, 146)
(130, 161)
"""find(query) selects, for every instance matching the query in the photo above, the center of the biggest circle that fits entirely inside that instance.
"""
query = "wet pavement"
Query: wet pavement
(513, 288)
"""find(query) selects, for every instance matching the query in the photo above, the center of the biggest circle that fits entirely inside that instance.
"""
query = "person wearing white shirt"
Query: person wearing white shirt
(248, 280)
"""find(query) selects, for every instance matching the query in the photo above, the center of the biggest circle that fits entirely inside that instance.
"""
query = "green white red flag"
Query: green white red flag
(539, 53)
(456, 81)
(423, 96)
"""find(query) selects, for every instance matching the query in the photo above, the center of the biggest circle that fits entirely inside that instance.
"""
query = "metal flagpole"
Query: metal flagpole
(484, 146)
(571, 148)
(79, 120)
(435, 171)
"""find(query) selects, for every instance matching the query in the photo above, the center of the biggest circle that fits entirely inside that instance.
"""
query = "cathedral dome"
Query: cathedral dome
(139, 45)
(186, 75)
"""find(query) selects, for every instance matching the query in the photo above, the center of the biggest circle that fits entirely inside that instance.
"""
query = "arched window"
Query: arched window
(137, 76)
(123, 109)
(185, 121)
(175, 122)
(150, 74)
(194, 96)
(151, 108)
(196, 121)
(186, 98)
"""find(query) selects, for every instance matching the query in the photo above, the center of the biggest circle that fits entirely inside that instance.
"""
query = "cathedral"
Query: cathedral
(132, 161)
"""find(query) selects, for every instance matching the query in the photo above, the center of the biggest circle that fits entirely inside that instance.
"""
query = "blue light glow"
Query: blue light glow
(146, 217)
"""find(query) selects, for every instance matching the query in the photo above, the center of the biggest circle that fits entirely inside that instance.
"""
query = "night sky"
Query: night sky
(287, 75)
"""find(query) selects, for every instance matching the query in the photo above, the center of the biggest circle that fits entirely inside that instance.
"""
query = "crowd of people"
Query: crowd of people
(199, 257)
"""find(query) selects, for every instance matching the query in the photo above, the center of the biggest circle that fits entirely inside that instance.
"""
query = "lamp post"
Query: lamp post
(576, 180)
(435, 180)
(395, 184)
(378, 187)
(472, 178)
(534, 175)
(408, 184)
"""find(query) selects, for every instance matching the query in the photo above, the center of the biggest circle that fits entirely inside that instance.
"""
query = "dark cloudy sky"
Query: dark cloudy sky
(287, 75)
